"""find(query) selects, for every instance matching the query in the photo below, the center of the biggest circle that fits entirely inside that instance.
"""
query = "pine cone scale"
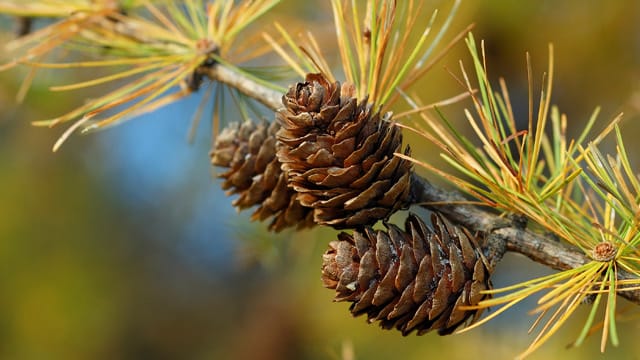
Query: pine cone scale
(370, 175)
(344, 148)
(441, 295)
(458, 275)
(383, 251)
(424, 279)
(407, 268)
(405, 304)
(398, 191)
(366, 197)
(360, 217)
(336, 177)
(386, 288)
(390, 167)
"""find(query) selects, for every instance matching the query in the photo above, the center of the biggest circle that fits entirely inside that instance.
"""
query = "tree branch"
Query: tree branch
(228, 76)
(503, 234)
(540, 248)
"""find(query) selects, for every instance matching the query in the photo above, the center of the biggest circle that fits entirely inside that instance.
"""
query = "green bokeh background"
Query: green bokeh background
(122, 246)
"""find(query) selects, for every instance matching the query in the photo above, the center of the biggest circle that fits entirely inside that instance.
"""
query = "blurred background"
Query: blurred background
(122, 245)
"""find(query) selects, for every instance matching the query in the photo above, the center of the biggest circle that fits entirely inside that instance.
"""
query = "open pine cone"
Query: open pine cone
(338, 154)
(411, 280)
(248, 151)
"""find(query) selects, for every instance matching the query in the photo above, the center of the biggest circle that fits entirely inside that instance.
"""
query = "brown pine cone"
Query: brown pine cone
(338, 154)
(248, 151)
(411, 280)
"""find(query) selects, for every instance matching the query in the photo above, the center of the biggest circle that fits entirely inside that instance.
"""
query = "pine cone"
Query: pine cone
(411, 280)
(338, 154)
(248, 151)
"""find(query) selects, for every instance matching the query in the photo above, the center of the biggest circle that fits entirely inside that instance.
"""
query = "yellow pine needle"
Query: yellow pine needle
(211, 11)
(136, 31)
(216, 16)
(382, 33)
(624, 159)
(317, 67)
(626, 263)
(195, 121)
(587, 328)
(422, 68)
(194, 12)
(439, 104)
(308, 65)
(106, 63)
(50, 8)
(399, 44)
(626, 193)
(577, 284)
(108, 78)
(147, 108)
(559, 317)
(346, 54)
(545, 99)
(361, 43)
(68, 132)
(540, 283)
(248, 12)
(378, 53)
(606, 324)
(45, 40)
(516, 296)
(42, 11)
(557, 183)
(486, 319)
(225, 17)
(537, 321)
(285, 56)
(457, 149)
(157, 51)
(319, 60)
(407, 65)
(25, 85)
(555, 320)
(610, 314)
(540, 176)
(160, 86)
(163, 20)
(490, 150)
(49, 37)
(217, 106)
(117, 97)
(249, 49)
(510, 117)
(517, 183)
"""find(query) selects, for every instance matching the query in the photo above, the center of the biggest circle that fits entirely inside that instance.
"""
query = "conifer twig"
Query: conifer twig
(540, 248)
(247, 86)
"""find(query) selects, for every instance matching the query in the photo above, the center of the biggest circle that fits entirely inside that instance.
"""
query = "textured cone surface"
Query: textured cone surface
(409, 280)
(248, 151)
(338, 154)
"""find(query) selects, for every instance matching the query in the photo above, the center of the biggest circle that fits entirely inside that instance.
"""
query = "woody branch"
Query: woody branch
(502, 234)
